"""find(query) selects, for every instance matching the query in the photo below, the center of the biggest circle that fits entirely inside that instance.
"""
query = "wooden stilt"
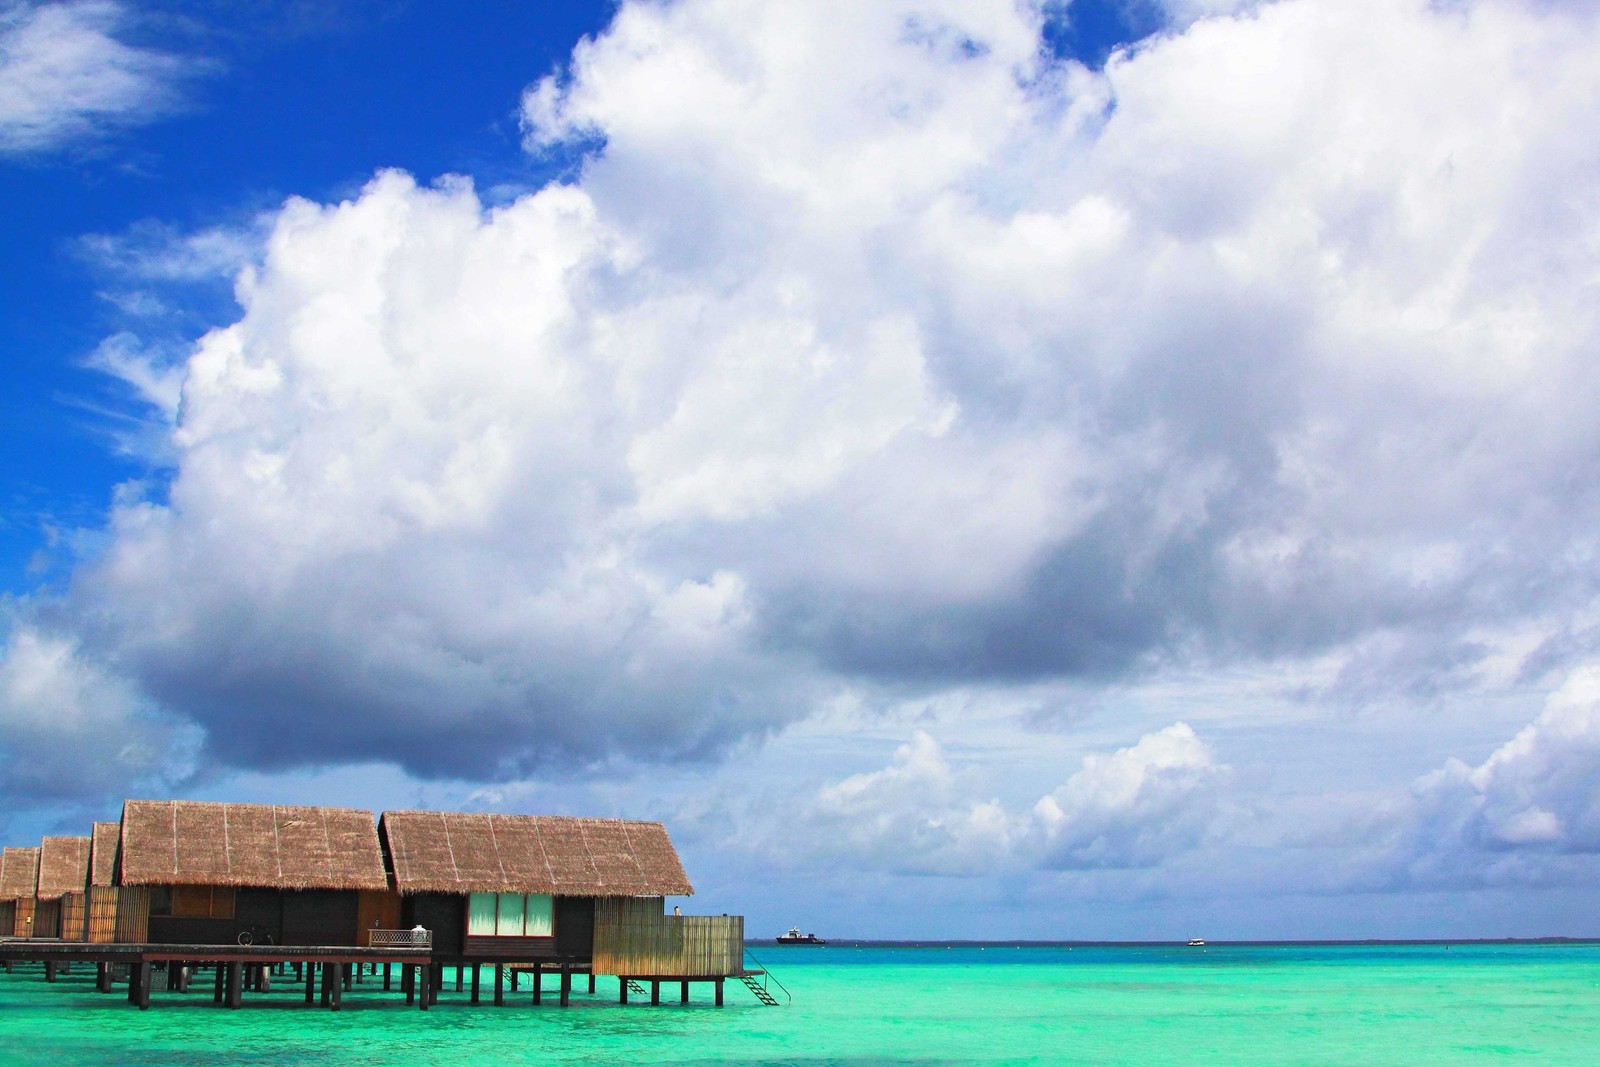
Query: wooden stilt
(623, 982)
(683, 994)
(216, 988)
(655, 991)
(499, 984)
(459, 977)
(386, 967)
(49, 971)
(311, 982)
(425, 980)
(133, 984)
(719, 992)
(144, 985)
(406, 984)
(329, 980)
(102, 977)
(477, 975)
(566, 985)
(264, 979)
(235, 984)
(339, 988)
(538, 981)
(514, 979)
(591, 981)
(346, 976)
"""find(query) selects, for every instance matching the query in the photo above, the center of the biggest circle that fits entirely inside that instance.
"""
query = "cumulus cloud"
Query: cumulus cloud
(66, 77)
(1527, 814)
(875, 344)
(72, 730)
(1135, 807)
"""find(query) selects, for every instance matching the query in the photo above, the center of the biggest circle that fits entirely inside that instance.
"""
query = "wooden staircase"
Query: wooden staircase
(760, 991)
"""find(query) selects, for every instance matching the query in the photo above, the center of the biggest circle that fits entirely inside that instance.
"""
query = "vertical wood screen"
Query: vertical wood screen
(24, 920)
(633, 937)
(102, 914)
(74, 916)
(133, 915)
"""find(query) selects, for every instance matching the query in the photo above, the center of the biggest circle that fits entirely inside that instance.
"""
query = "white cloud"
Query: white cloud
(875, 347)
(72, 730)
(65, 77)
(1135, 807)
(1528, 813)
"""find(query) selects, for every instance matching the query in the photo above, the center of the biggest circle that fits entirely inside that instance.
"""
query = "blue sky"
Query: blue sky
(971, 469)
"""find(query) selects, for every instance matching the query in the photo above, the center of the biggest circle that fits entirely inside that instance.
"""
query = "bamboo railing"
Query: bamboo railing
(632, 937)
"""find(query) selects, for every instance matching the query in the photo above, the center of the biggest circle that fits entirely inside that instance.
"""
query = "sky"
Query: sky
(1091, 470)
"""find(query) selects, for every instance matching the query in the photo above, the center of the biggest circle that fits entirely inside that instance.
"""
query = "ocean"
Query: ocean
(873, 1005)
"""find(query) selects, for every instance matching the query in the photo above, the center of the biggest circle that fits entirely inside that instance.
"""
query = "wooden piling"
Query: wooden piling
(499, 984)
(538, 981)
(566, 985)
(235, 984)
(476, 977)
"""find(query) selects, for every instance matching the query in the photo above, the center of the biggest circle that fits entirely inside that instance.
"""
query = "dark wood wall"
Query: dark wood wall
(292, 917)
(443, 913)
(574, 917)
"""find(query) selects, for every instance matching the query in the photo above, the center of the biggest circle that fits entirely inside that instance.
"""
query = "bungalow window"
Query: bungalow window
(192, 902)
(509, 915)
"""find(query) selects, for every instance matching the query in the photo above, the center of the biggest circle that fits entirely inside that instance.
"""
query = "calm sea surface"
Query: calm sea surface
(876, 1005)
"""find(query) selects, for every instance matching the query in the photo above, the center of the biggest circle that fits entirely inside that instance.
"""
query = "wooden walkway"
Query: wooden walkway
(332, 970)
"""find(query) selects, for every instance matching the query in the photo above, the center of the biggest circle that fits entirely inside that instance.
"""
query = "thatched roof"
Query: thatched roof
(63, 866)
(458, 852)
(103, 853)
(19, 873)
(267, 846)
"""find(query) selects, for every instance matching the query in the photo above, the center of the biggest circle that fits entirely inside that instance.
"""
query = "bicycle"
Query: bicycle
(254, 935)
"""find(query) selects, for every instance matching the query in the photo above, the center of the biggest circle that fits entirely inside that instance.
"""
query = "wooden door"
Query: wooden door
(376, 911)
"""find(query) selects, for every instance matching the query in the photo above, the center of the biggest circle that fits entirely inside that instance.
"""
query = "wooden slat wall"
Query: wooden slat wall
(633, 937)
(133, 915)
(8, 917)
(47, 918)
(74, 916)
(24, 919)
(102, 914)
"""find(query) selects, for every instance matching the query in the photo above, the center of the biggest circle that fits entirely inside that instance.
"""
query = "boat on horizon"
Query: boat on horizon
(1197, 942)
(795, 937)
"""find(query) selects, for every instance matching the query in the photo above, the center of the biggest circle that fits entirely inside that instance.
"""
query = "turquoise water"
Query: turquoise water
(900, 1006)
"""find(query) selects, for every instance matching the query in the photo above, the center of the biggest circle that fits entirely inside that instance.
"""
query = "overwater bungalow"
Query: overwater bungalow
(249, 890)
(570, 893)
(105, 844)
(63, 888)
(226, 874)
(19, 881)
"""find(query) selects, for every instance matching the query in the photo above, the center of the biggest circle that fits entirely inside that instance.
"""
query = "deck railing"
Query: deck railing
(632, 937)
(400, 938)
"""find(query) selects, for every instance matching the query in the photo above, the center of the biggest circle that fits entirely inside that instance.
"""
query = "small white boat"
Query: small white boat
(795, 937)
(1197, 942)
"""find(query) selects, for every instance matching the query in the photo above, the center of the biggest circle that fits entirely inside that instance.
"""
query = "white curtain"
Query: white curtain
(539, 922)
(511, 908)
(480, 914)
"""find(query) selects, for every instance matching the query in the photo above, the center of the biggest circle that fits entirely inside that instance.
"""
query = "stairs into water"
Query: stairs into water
(760, 991)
